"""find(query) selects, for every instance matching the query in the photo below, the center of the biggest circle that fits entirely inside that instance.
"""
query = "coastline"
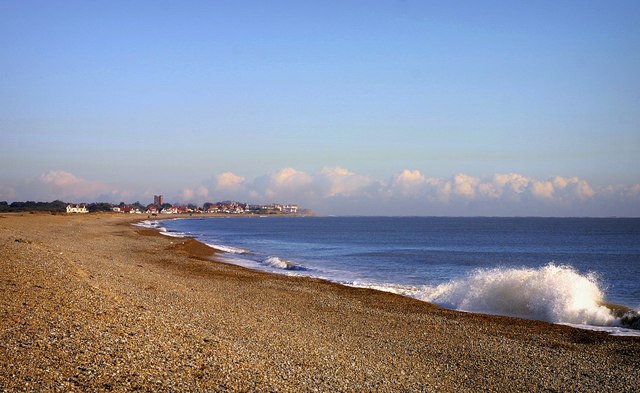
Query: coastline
(622, 320)
(92, 302)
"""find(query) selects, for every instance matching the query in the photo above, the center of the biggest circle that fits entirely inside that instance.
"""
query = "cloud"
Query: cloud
(512, 181)
(576, 186)
(228, 185)
(198, 195)
(583, 189)
(561, 188)
(187, 194)
(7, 193)
(510, 185)
(290, 178)
(559, 182)
(69, 187)
(409, 178)
(289, 183)
(413, 184)
(621, 191)
(338, 190)
(542, 189)
(465, 185)
(342, 182)
(229, 181)
(60, 179)
(409, 182)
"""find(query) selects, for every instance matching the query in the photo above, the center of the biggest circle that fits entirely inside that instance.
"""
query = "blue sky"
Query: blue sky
(335, 105)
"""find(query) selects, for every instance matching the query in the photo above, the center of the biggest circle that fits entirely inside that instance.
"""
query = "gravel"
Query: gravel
(91, 303)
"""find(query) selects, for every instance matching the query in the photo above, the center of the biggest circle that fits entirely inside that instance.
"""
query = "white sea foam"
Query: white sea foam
(612, 330)
(398, 289)
(281, 263)
(163, 231)
(157, 225)
(227, 249)
(151, 224)
(551, 293)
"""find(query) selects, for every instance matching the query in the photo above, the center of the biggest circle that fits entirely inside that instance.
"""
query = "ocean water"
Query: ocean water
(561, 270)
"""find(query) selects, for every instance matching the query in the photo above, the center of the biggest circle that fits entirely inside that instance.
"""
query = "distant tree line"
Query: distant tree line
(31, 206)
(58, 206)
(99, 207)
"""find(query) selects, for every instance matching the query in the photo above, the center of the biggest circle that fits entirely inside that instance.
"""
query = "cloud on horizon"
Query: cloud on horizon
(68, 187)
(336, 190)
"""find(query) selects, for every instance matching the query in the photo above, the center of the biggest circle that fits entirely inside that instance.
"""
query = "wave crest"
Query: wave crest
(150, 224)
(552, 293)
(227, 249)
(281, 263)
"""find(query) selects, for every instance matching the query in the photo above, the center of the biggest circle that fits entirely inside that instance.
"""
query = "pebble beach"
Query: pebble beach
(92, 303)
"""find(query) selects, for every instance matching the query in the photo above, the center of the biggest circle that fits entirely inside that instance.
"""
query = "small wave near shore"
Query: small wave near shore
(227, 249)
(552, 293)
(269, 261)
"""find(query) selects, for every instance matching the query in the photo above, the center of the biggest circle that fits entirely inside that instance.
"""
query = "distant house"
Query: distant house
(289, 209)
(169, 210)
(77, 208)
(182, 209)
(228, 207)
(126, 209)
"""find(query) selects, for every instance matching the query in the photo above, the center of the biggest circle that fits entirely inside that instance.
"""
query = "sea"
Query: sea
(582, 272)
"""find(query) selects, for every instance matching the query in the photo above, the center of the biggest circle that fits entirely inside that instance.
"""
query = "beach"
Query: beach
(90, 302)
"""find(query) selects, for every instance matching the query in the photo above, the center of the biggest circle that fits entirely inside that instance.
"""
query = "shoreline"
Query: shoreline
(623, 313)
(92, 302)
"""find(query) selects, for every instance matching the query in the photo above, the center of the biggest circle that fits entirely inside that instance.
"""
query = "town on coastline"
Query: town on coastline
(159, 206)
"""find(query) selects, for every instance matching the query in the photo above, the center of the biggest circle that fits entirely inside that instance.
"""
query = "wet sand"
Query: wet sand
(89, 302)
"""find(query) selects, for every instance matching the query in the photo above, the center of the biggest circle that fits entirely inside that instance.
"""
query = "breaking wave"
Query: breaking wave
(157, 225)
(552, 293)
(282, 264)
(163, 231)
(227, 249)
(398, 289)
(150, 224)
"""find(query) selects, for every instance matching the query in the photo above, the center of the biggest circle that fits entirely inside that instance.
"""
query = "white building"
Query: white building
(289, 209)
(73, 208)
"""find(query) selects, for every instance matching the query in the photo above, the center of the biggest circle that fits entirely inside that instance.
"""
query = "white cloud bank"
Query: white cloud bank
(69, 188)
(336, 190)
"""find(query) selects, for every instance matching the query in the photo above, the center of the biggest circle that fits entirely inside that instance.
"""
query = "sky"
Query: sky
(344, 107)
